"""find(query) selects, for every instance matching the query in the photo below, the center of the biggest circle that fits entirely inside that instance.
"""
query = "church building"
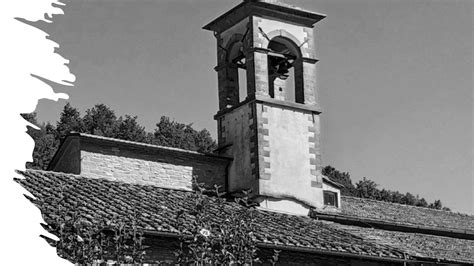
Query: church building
(268, 144)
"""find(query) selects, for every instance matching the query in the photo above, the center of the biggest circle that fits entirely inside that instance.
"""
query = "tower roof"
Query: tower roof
(265, 8)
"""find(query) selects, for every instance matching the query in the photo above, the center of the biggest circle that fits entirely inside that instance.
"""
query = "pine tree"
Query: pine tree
(129, 129)
(46, 142)
(70, 120)
(367, 188)
(100, 120)
(184, 136)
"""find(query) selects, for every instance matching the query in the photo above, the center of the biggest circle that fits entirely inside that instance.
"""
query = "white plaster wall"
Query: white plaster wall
(289, 159)
(284, 206)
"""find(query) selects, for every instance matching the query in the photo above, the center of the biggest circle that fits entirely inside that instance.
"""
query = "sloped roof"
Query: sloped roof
(403, 215)
(418, 245)
(103, 199)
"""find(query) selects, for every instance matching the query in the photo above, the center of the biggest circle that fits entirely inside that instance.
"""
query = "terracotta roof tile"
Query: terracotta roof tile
(102, 199)
(403, 214)
(418, 245)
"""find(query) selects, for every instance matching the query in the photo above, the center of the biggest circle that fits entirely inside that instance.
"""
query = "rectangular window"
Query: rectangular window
(330, 198)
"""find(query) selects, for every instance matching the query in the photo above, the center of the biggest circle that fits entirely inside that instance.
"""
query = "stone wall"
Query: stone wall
(137, 163)
(150, 166)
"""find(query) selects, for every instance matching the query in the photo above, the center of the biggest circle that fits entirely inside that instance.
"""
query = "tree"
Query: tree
(100, 120)
(422, 203)
(367, 188)
(173, 134)
(70, 120)
(436, 205)
(204, 141)
(342, 178)
(386, 195)
(46, 142)
(408, 199)
(129, 129)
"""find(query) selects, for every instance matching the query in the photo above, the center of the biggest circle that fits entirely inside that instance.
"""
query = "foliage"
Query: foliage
(69, 120)
(174, 134)
(129, 129)
(101, 120)
(216, 234)
(82, 242)
(46, 142)
(438, 205)
(343, 178)
(367, 188)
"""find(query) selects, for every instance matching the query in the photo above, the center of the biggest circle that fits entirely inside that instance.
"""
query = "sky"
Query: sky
(394, 80)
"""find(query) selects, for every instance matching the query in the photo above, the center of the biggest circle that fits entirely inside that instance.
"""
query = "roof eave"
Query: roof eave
(294, 248)
(389, 226)
(211, 25)
(334, 183)
(299, 16)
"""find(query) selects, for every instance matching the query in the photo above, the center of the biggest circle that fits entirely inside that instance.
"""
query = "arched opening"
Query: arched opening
(238, 71)
(285, 70)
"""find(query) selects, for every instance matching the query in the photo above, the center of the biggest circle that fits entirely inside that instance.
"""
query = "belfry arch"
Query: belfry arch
(237, 68)
(285, 69)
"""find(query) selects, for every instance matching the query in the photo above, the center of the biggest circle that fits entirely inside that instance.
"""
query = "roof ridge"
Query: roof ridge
(409, 206)
(135, 142)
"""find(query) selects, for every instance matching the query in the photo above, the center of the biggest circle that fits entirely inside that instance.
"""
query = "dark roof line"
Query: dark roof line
(332, 182)
(364, 222)
(408, 258)
(131, 143)
(299, 249)
(141, 144)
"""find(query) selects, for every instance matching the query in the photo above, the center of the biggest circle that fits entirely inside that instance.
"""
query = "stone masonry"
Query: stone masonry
(139, 163)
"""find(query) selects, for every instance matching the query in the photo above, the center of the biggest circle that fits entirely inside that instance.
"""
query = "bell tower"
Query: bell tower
(272, 131)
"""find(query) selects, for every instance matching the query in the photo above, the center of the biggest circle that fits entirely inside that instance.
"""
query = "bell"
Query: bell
(282, 70)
